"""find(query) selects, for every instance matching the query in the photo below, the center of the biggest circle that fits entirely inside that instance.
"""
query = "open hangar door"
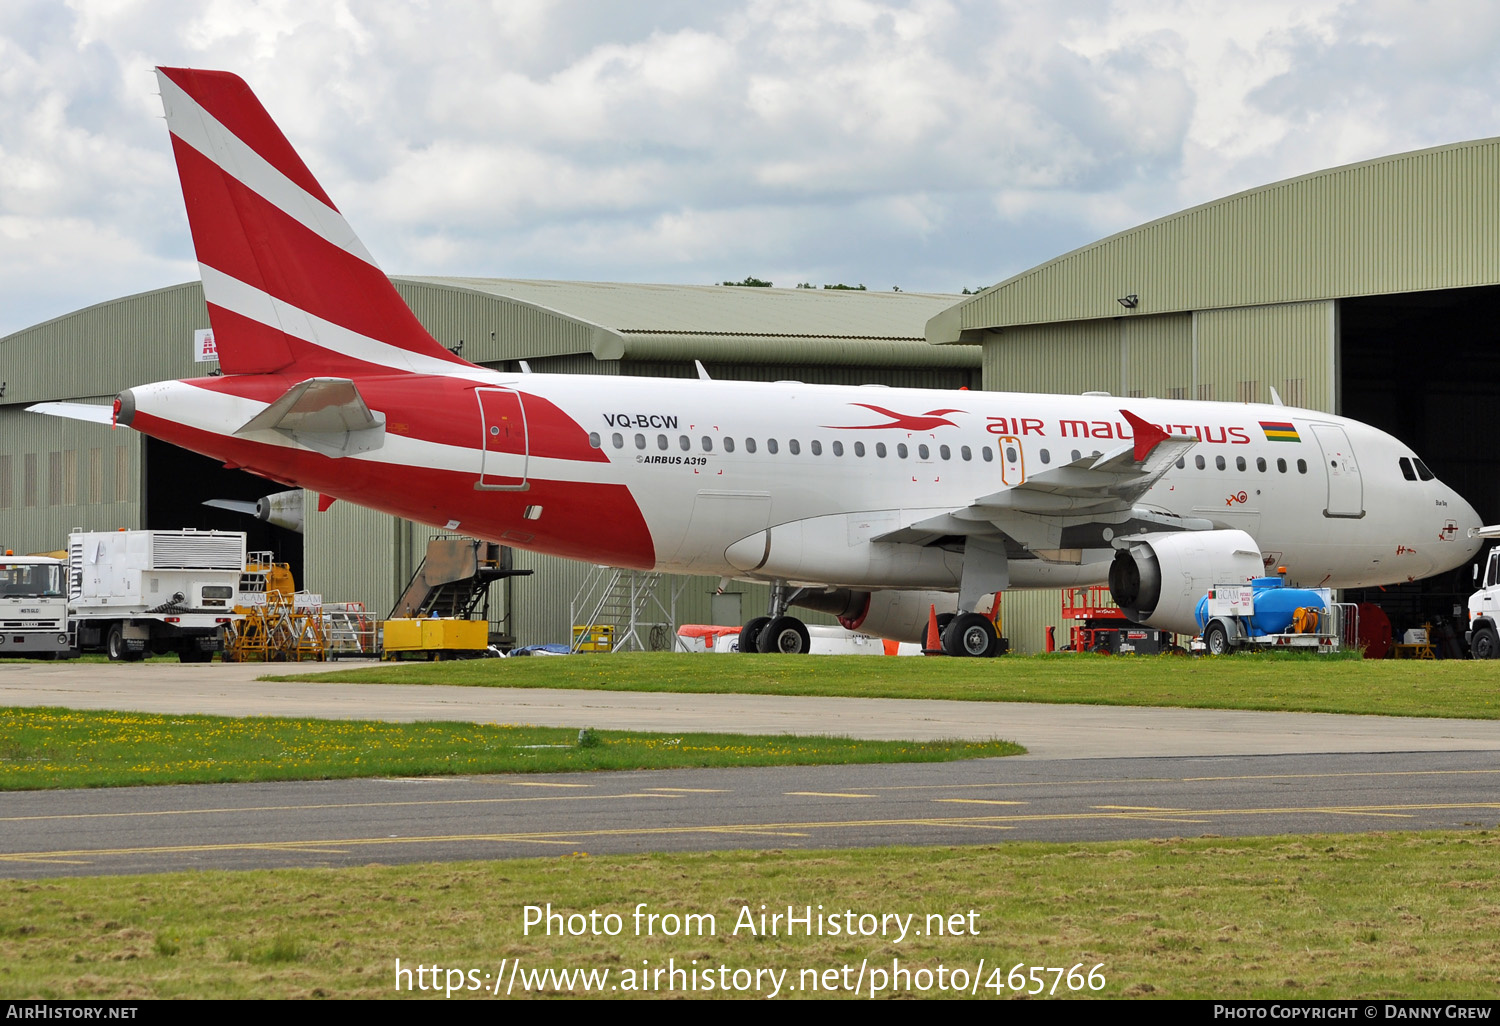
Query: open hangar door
(176, 484)
(1422, 366)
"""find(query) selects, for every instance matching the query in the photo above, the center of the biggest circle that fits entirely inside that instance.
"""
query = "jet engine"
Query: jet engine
(1157, 579)
(280, 509)
(898, 615)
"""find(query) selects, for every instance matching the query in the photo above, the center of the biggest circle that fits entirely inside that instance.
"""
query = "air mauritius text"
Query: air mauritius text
(804, 921)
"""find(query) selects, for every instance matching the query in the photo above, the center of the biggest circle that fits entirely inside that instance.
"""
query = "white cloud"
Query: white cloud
(933, 144)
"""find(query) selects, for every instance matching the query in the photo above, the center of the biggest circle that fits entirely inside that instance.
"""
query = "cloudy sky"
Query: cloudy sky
(931, 144)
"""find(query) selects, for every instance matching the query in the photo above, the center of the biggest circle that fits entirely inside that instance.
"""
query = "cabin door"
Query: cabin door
(1346, 488)
(504, 453)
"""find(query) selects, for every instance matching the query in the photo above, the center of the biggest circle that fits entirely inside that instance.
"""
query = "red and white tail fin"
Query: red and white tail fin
(289, 285)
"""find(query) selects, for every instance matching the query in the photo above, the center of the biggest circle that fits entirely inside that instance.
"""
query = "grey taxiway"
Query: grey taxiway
(1093, 773)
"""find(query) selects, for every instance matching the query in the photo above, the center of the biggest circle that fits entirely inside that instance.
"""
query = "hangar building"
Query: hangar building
(1360, 290)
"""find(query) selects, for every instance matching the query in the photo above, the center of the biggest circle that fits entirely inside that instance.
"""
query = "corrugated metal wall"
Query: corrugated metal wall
(1291, 347)
(491, 328)
(1083, 356)
(58, 474)
(1405, 223)
(102, 349)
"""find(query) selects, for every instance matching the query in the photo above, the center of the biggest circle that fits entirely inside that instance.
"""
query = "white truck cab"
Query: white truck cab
(1483, 634)
(34, 607)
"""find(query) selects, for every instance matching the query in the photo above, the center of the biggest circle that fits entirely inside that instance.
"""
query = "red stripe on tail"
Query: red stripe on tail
(229, 99)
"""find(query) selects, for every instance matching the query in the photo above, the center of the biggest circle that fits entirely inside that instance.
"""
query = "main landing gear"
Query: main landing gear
(776, 632)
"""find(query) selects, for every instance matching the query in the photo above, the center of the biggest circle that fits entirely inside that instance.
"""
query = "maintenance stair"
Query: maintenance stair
(454, 579)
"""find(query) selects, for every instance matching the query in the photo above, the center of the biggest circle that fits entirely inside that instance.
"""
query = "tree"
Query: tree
(750, 282)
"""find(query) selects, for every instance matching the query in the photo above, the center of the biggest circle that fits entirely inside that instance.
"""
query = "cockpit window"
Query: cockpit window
(1422, 471)
(1407, 471)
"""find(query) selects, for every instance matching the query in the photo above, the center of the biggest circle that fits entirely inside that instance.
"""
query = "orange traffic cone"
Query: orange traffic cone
(934, 644)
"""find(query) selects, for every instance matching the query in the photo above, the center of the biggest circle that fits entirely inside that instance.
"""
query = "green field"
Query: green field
(1368, 916)
(41, 748)
(1457, 688)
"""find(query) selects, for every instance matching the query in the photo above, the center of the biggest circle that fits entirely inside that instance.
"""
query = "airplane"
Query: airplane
(878, 505)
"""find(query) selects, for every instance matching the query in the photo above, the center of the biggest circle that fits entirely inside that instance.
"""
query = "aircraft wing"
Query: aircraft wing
(1079, 505)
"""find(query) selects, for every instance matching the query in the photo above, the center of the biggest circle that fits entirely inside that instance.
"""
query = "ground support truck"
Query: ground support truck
(134, 593)
(1266, 614)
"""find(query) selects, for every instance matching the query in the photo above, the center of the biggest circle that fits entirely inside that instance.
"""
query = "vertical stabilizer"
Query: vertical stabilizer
(289, 285)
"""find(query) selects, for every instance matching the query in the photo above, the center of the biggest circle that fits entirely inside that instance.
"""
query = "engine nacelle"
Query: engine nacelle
(1157, 579)
(897, 615)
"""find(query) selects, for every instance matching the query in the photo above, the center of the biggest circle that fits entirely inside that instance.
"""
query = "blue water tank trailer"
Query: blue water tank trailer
(1276, 606)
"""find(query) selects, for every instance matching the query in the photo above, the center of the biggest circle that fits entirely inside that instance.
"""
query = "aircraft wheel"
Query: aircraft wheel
(1485, 644)
(786, 635)
(1216, 639)
(750, 634)
(970, 634)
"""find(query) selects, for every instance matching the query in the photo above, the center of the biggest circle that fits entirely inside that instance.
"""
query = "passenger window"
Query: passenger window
(817, 447)
(640, 441)
(1281, 466)
(619, 440)
(684, 443)
(593, 440)
(1219, 462)
(661, 442)
(1239, 463)
(1010, 454)
(838, 448)
(966, 453)
(859, 448)
(795, 446)
(1047, 456)
(901, 450)
(708, 444)
(749, 445)
(1301, 466)
(728, 444)
(1198, 462)
(923, 452)
(1181, 462)
(880, 449)
(1260, 464)
(771, 446)
(1076, 454)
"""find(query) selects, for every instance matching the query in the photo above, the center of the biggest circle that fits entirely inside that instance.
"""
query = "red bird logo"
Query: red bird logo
(903, 421)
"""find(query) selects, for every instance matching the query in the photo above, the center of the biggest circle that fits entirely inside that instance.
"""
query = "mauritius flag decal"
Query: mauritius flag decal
(1279, 431)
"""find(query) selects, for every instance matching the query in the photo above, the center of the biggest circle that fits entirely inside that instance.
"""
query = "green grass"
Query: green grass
(1368, 916)
(1457, 688)
(45, 747)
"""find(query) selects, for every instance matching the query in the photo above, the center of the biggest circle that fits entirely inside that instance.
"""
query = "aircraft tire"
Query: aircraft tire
(751, 632)
(1485, 644)
(786, 635)
(972, 635)
(1216, 640)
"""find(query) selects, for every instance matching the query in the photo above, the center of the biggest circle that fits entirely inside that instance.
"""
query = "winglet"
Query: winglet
(1147, 436)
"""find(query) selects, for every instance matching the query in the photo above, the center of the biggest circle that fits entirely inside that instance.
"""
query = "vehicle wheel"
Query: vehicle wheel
(114, 645)
(1485, 644)
(786, 635)
(751, 632)
(1216, 639)
(970, 634)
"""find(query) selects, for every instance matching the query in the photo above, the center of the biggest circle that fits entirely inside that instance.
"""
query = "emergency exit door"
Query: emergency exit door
(1346, 488)
(504, 453)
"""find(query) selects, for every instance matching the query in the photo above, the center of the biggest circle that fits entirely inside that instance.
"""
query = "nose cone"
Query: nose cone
(1462, 545)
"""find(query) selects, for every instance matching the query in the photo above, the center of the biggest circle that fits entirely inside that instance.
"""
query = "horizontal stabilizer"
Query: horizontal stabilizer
(328, 415)
(76, 411)
(245, 506)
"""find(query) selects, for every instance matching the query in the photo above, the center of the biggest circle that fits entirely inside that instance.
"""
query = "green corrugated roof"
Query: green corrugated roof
(1403, 223)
